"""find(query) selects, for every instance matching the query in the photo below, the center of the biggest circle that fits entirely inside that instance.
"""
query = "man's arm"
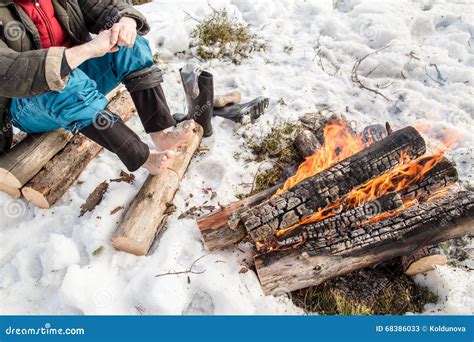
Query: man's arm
(35, 72)
(103, 14)
(30, 73)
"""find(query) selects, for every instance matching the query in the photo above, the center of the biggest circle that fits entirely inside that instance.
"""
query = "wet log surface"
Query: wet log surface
(320, 258)
(326, 187)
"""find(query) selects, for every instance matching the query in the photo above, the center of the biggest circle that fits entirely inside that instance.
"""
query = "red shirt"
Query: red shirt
(41, 12)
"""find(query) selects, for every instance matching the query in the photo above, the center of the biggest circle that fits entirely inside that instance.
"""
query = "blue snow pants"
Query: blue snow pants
(77, 105)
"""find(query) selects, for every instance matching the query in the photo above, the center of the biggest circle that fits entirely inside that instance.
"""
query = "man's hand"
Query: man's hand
(124, 33)
(98, 47)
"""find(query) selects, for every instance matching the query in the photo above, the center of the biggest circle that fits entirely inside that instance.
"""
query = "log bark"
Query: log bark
(318, 191)
(318, 260)
(52, 182)
(221, 228)
(423, 260)
(31, 153)
(306, 143)
(27, 158)
(147, 213)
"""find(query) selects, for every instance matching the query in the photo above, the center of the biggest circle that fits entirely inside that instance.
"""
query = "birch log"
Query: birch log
(147, 213)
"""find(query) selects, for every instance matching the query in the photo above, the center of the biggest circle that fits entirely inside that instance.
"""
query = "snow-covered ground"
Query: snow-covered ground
(46, 256)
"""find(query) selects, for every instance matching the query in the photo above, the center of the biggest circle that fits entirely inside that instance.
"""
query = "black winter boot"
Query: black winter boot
(145, 89)
(253, 109)
(201, 108)
(109, 131)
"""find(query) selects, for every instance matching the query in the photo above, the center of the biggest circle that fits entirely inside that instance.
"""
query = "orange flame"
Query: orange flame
(339, 143)
(406, 174)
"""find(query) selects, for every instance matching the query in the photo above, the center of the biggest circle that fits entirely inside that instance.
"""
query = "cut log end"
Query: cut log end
(37, 198)
(12, 191)
(7, 178)
(129, 245)
(426, 264)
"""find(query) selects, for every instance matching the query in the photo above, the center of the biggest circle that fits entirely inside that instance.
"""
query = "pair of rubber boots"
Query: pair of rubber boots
(202, 105)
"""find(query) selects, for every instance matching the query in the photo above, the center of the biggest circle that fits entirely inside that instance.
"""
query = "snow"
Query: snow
(47, 264)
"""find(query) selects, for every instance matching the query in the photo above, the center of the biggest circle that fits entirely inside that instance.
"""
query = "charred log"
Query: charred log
(321, 259)
(320, 190)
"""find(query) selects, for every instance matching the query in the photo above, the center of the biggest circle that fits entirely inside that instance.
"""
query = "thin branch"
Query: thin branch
(192, 17)
(190, 270)
(355, 74)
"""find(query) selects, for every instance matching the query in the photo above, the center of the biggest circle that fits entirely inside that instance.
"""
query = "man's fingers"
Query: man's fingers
(114, 38)
(133, 38)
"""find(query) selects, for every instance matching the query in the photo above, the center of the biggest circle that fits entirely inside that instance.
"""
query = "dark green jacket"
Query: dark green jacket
(25, 68)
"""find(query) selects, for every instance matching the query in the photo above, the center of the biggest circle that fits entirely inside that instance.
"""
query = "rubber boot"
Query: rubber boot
(253, 110)
(109, 131)
(201, 108)
(147, 94)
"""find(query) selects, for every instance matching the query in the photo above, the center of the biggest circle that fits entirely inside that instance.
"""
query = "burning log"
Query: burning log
(423, 260)
(52, 182)
(147, 213)
(319, 190)
(405, 185)
(320, 259)
(216, 228)
(346, 222)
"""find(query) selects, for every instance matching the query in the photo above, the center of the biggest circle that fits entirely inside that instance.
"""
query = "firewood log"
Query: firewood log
(216, 230)
(320, 259)
(306, 143)
(13, 192)
(147, 213)
(25, 160)
(443, 174)
(318, 191)
(31, 153)
(423, 260)
(52, 182)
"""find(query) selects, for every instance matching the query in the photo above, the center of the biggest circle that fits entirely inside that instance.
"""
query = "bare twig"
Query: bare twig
(190, 270)
(355, 74)
(191, 16)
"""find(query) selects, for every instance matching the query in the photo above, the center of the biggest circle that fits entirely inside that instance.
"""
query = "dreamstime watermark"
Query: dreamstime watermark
(103, 297)
(104, 120)
(14, 31)
(373, 208)
(47, 329)
(368, 30)
(14, 209)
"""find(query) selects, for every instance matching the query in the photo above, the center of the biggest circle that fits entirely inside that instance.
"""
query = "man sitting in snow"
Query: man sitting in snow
(54, 75)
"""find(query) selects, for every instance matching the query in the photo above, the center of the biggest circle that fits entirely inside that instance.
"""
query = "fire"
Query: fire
(406, 174)
(339, 143)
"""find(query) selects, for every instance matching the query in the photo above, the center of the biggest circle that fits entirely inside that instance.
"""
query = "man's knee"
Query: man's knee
(129, 60)
(73, 108)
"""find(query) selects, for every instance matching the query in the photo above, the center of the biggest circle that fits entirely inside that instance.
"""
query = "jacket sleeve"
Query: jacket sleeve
(102, 14)
(30, 73)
